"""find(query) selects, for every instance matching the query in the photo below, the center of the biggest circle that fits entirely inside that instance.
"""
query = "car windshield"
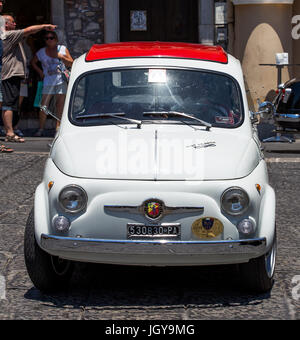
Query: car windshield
(156, 95)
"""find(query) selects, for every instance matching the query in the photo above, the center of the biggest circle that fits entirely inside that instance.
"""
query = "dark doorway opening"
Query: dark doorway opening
(27, 13)
(163, 20)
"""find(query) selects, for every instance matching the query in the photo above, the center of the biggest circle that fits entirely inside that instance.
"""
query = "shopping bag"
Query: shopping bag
(39, 94)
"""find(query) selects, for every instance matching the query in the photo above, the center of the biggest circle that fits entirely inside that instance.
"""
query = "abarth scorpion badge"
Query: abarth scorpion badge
(153, 209)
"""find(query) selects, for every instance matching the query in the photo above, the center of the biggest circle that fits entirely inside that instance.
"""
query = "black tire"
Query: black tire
(258, 273)
(48, 273)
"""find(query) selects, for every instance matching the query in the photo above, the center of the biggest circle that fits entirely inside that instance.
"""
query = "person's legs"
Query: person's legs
(1, 100)
(11, 92)
(17, 115)
(3, 148)
(7, 116)
(60, 101)
(42, 116)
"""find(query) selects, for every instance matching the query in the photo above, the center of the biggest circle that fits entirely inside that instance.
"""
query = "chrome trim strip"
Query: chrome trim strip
(156, 157)
(288, 117)
(253, 247)
(124, 208)
(140, 209)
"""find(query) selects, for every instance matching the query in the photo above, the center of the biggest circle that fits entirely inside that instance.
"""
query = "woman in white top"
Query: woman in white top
(51, 57)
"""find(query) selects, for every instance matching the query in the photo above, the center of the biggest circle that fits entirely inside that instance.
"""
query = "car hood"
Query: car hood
(155, 154)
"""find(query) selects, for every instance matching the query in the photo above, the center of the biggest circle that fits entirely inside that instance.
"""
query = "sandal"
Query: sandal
(14, 138)
(19, 133)
(5, 149)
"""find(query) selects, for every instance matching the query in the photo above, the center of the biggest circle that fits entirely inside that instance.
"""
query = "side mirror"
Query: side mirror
(254, 117)
(48, 112)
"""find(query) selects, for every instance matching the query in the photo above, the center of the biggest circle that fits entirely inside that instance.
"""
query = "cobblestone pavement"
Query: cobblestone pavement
(114, 293)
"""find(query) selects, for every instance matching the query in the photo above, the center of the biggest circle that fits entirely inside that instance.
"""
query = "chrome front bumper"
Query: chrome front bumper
(251, 247)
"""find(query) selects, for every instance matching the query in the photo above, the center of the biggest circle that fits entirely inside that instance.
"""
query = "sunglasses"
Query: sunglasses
(49, 38)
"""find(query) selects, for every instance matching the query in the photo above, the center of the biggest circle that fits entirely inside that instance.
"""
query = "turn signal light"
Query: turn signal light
(258, 187)
(50, 185)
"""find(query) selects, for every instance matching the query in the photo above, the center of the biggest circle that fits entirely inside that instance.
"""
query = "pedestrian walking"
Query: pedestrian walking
(54, 59)
(14, 70)
(3, 148)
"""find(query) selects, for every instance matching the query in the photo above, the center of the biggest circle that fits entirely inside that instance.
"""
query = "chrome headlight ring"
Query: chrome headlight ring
(235, 201)
(73, 199)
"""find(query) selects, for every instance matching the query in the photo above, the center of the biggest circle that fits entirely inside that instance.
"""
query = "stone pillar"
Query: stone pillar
(84, 23)
(111, 21)
(206, 22)
(58, 19)
(262, 29)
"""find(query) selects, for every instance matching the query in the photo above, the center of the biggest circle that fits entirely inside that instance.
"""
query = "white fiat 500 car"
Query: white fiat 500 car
(157, 162)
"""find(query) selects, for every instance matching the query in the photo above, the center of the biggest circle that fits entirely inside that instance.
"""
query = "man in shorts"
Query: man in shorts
(3, 148)
(13, 71)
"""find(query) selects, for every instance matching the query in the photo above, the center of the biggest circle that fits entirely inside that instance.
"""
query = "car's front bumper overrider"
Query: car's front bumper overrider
(249, 248)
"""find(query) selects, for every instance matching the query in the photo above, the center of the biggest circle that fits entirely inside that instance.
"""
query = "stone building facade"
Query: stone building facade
(251, 30)
(84, 24)
(255, 30)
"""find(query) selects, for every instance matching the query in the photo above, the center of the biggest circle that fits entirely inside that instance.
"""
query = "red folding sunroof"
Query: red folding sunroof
(157, 49)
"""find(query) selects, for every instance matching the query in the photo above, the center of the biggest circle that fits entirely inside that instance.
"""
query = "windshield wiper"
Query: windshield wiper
(112, 115)
(178, 114)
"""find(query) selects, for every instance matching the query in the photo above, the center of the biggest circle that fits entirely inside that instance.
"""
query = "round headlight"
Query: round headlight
(234, 201)
(73, 199)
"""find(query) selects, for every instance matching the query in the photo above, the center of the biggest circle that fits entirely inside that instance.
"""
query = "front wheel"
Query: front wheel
(48, 273)
(258, 273)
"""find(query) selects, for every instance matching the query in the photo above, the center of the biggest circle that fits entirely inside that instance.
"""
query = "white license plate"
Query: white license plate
(163, 231)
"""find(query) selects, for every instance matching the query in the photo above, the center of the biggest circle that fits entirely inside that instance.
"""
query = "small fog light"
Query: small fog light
(246, 227)
(61, 223)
